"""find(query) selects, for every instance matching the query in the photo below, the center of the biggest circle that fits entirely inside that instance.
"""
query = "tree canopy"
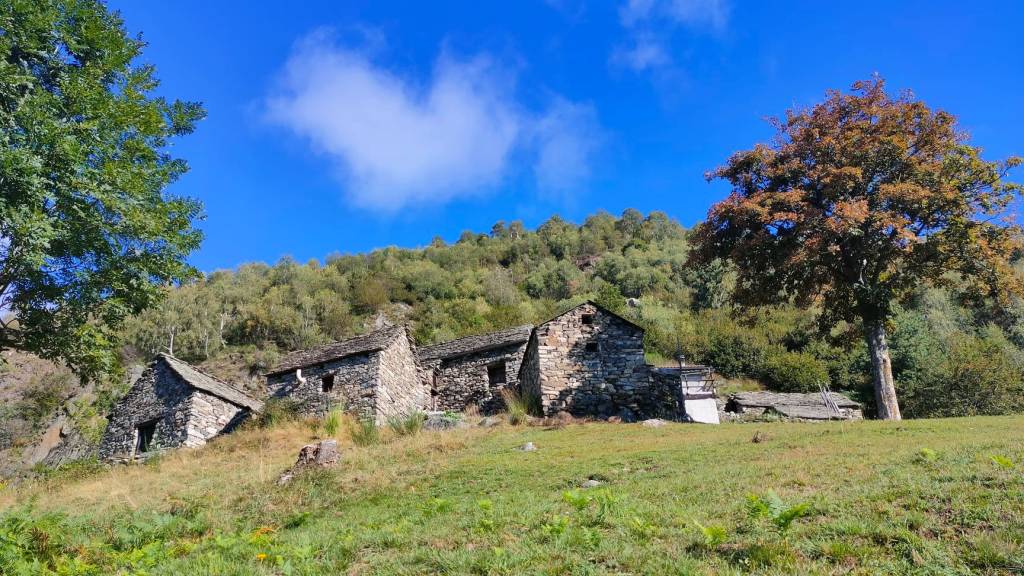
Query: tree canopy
(856, 203)
(88, 232)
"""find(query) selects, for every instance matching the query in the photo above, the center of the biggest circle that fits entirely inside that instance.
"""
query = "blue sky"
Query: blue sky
(347, 126)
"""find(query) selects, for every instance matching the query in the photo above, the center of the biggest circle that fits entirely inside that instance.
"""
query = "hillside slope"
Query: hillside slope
(921, 497)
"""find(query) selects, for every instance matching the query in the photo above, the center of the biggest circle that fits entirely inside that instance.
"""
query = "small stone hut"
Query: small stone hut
(172, 404)
(374, 375)
(811, 407)
(589, 361)
(472, 371)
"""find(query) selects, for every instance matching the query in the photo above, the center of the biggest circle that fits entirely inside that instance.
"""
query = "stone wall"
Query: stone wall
(355, 380)
(589, 362)
(377, 384)
(210, 416)
(159, 394)
(463, 381)
(400, 391)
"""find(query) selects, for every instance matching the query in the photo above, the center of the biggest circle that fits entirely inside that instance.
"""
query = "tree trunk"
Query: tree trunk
(881, 372)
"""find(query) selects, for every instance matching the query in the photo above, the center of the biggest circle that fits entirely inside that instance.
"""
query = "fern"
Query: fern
(772, 508)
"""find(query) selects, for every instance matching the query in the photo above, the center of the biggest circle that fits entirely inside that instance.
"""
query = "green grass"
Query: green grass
(915, 497)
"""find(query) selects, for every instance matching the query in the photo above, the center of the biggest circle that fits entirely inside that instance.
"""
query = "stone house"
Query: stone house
(374, 375)
(589, 361)
(472, 371)
(172, 404)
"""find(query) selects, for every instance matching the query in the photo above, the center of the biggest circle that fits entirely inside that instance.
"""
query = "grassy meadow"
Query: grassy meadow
(913, 497)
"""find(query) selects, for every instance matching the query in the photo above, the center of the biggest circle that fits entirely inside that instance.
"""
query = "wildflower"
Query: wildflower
(261, 556)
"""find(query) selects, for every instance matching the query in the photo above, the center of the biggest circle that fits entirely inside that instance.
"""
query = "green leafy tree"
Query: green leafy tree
(88, 234)
(856, 203)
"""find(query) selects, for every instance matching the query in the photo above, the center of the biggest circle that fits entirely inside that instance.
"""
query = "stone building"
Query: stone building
(373, 374)
(472, 371)
(589, 361)
(172, 404)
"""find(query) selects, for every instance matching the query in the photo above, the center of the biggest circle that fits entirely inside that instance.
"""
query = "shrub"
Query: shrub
(277, 411)
(407, 425)
(795, 372)
(364, 432)
(332, 422)
(518, 406)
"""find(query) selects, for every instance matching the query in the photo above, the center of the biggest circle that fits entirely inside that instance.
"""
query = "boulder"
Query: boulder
(528, 447)
(444, 421)
(323, 454)
(653, 423)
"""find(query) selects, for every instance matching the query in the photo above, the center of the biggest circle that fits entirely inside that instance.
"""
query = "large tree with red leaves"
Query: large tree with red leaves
(857, 201)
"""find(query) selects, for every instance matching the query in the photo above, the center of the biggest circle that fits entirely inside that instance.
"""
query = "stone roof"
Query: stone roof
(599, 307)
(478, 343)
(369, 342)
(200, 380)
(808, 406)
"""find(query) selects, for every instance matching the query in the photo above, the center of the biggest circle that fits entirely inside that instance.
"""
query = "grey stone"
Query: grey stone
(489, 422)
(176, 405)
(444, 421)
(591, 483)
(374, 375)
(653, 423)
(528, 447)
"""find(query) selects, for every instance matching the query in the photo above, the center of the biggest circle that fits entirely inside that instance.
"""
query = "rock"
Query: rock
(759, 437)
(591, 483)
(614, 420)
(653, 423)
(633, 302)
(489, 422)
(444, 421)
(528, 447)
(323, 454)
(327, 453)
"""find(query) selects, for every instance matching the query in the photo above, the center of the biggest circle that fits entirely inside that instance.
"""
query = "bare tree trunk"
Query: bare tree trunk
(881, 372)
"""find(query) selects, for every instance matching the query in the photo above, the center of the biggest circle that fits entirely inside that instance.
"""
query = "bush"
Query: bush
(277, 411)
(407, 425)
(332, 422)
(364, 432)
(517, 406)
(733, 350)
(795, 372)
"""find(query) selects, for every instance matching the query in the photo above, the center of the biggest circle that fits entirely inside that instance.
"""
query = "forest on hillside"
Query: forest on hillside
(949, 359)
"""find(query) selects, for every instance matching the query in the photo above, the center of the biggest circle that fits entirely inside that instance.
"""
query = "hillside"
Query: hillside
(948, 359)
(921, 497)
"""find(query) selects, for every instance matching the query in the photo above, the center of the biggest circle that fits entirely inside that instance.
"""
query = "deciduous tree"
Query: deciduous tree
(857, 201)
(88, 233)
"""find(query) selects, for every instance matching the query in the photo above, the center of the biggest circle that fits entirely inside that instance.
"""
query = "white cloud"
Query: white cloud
(650, 23)
(567, 137)
(399, 143)
(701, 14)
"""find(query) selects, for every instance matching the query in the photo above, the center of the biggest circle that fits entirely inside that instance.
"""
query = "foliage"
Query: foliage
(364, 432)
(857, 202)
(772, 508)
(408, 425)
(712, 536)
(88, 235)
(277, 411)
(518, 406)
(332, 422)
(795, 372)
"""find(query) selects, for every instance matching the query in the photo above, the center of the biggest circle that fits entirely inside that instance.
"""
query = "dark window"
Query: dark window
(496, 374)
(327, 383)
(144, 436)
(587, 319)
(591, 347)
